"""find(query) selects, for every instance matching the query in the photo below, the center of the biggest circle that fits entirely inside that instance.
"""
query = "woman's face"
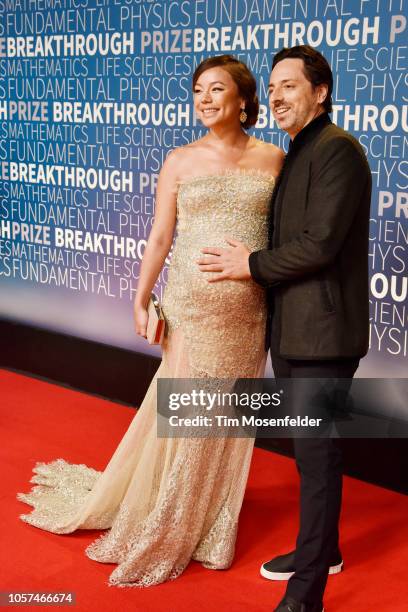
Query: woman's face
(216, 98)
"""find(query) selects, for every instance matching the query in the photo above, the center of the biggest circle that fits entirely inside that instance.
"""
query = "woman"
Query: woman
(166, 501)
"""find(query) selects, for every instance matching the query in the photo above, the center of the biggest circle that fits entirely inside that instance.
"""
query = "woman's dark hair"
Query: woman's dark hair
(243, 78)
(315, 66)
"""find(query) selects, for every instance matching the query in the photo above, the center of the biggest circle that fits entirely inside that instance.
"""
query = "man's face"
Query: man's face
(292, 99)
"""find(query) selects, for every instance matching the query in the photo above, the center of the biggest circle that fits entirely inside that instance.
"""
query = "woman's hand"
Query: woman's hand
(141, 318)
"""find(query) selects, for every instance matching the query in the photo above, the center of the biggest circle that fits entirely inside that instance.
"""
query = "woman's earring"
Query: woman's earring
(243, 116)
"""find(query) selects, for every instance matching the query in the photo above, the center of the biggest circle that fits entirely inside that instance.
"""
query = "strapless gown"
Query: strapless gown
(165, 501)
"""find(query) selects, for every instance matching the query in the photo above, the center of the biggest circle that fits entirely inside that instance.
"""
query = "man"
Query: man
(316, 274)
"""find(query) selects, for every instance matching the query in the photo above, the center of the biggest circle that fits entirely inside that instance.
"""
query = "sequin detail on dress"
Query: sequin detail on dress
(165, 501)
(230, 314)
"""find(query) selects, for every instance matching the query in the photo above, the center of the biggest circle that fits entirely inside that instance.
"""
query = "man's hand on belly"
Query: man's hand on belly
(230, 263)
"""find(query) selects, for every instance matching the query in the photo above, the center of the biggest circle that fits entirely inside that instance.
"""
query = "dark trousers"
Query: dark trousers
(319, 463)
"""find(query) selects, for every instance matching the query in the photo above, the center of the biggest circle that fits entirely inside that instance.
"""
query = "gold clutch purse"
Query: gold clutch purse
(156, 322)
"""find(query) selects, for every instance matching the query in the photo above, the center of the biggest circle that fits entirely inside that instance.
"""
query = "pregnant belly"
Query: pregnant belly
(188, 295)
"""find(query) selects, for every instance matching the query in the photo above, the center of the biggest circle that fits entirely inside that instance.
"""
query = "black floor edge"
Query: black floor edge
(123, 376)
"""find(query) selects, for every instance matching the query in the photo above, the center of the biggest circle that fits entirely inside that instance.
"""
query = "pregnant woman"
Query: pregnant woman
(165, 501)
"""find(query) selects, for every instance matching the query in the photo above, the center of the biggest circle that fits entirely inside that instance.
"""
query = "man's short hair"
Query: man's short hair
(315, 66)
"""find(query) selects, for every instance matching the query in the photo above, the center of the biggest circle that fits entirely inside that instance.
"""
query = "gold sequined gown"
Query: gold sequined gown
(165, 501)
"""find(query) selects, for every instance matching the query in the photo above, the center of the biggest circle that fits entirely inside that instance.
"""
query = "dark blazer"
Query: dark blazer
(316, 269)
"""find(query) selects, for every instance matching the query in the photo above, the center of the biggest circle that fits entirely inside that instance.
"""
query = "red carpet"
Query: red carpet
(42, 421)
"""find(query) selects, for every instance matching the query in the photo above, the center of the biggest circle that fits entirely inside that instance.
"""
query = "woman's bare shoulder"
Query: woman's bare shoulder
(267, 148)
(179, 160)
(176, 158)
(269, 156)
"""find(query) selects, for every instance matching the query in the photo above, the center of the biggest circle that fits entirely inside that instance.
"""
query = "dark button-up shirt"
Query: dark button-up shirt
(295, 145)
(316, 264)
